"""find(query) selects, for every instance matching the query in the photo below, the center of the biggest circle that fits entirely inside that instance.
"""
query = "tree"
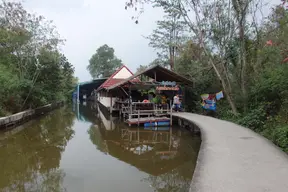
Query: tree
(141, 68)
(34, 71)
(235, 49)
(214, 25)
(168, 38)
(206, 32)
(25, 35)
(103, 63)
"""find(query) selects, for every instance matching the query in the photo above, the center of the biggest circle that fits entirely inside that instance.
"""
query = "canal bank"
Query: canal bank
(24, 116)
(234, 158)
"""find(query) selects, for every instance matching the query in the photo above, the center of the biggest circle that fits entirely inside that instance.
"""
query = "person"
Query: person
(176, 102)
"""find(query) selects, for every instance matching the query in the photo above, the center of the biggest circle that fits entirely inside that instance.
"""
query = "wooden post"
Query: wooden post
(170, 139)
(171, 116)
(130, 113)
(111, 107)
(130, 102)
(138, 117)
(120, 110)
(183, 98)
(138, 135)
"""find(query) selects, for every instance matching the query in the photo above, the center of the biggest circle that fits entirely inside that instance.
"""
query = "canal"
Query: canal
(82, 149)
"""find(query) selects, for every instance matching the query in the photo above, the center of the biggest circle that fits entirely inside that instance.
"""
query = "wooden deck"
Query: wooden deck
(142, 120)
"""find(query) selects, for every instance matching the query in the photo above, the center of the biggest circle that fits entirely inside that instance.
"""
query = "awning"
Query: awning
(161, 73)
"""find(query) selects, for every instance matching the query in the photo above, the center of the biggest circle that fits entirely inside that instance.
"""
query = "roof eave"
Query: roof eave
(182, 79)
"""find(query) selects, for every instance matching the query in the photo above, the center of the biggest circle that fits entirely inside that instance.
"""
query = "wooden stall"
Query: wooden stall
(157, 82)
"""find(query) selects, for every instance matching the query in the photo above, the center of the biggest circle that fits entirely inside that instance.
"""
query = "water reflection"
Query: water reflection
(93, 151)
(30, 157)
(167, 155)
(85, 113)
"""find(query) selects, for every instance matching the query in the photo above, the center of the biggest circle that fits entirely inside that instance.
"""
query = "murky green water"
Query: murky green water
(83, 150)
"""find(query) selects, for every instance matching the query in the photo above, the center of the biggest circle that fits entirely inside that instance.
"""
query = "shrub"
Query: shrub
(255, 119)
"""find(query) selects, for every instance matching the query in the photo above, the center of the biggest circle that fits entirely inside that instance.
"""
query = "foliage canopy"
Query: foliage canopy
(33, 72)
(233, 48)
(103, 63)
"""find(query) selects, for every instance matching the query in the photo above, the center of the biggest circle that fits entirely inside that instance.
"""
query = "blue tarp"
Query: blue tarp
(209, 105)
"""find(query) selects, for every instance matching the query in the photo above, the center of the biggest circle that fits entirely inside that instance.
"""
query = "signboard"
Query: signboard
(168, 83)
(167, 86)
(161, 88)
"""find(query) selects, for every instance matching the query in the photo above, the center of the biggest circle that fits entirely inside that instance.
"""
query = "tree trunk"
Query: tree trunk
(224, 86)
(226, 91)
(171, 54)
(243, 63)
(201, 40)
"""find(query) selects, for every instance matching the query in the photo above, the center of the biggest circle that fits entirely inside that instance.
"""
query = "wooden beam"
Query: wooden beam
(124, 91)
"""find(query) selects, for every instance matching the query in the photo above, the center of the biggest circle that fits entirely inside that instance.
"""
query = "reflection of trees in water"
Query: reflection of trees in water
(96, 138)
(179, 179)
(88, 113)
(50, 181)
(29, 159)
(177, 168)
(176, 180)
(98, 133)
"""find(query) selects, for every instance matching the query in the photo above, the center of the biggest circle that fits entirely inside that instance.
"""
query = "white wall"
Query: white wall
(106, 101)
(123, 74)
(108, 124)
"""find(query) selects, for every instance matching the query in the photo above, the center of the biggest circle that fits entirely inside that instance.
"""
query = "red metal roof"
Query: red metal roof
(111, 81)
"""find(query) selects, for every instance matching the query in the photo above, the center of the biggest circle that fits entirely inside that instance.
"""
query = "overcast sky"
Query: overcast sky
(88, 24)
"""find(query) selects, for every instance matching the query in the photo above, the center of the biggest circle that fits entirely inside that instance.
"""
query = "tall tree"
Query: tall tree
(168, 37)
(103, 63)
(32, 70)
(214, 25)
(247, 53)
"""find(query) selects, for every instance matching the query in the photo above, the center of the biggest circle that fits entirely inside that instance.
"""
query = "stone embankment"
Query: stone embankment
(21, 117)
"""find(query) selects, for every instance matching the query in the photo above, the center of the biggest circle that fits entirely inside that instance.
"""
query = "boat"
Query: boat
(157, 123)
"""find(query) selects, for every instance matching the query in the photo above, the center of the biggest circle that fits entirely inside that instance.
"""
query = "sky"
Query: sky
(88, 24)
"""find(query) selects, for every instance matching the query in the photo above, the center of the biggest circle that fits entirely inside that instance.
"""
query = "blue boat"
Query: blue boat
(157, 128)
(156, 124)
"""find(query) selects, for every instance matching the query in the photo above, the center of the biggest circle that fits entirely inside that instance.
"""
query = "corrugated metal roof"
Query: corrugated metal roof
(92, 81)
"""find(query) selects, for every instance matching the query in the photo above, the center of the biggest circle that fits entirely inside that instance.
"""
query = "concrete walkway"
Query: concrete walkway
(235, 159)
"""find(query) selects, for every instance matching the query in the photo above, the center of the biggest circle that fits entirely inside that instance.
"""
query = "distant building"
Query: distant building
(108, 98)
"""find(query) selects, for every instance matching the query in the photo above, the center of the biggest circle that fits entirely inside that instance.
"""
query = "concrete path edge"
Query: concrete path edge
(233, 158)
